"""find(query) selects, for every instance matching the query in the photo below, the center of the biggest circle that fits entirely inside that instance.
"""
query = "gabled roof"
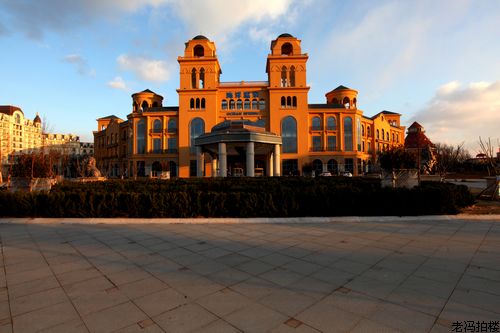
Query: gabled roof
(148, 91)
(386, 113)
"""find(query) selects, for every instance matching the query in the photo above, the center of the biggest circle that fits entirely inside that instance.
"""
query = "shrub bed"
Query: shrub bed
(236, 197)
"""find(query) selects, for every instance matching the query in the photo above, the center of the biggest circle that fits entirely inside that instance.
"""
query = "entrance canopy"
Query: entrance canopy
(239, 138)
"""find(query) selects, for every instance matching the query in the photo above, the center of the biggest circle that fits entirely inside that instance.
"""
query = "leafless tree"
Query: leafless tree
(487, 148)
(46, 126)
(449, 157)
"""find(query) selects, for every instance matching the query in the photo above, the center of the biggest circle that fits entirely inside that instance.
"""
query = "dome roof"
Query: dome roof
(37, 119)
(200, 37)
(285, 35)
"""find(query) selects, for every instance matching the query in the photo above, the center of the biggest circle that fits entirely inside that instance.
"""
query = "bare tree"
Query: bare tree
(46, 126)
(487, 148)
(449, 157)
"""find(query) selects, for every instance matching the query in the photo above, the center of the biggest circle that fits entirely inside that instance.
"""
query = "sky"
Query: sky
(435, 62)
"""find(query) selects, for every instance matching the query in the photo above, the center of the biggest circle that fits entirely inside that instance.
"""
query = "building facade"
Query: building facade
(21, 135)
(246, 127)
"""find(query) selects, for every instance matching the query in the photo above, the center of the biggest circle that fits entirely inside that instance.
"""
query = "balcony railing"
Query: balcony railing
(322, 149)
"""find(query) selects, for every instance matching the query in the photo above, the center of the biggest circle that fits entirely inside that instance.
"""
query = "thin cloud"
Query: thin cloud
(144, 68)
(80, 64)
(459, 113)
(118, 83)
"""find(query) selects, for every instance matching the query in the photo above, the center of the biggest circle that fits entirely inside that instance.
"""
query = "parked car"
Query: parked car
(346, 174)
(325, 174)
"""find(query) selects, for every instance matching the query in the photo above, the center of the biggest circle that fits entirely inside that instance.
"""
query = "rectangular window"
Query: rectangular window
(332, 143)
(290, 167)
(192, 168)
(157, 146)
(349, 165)
(316, 143)
(172, 145)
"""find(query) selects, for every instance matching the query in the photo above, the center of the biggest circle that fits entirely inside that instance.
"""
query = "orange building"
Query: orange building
(246, 127)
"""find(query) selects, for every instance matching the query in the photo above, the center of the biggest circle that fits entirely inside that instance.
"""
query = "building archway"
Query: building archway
(317, 166)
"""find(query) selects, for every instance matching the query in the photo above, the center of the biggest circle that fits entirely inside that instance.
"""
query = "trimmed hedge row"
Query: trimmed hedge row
(236, 197)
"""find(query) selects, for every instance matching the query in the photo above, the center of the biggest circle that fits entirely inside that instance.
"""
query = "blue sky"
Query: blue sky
(436, 62)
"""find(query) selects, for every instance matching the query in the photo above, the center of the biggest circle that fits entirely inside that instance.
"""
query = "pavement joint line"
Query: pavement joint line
(57, 279)
(463, 273)
(6, 283)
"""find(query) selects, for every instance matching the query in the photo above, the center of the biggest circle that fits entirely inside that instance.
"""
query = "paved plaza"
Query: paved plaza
(299, 275)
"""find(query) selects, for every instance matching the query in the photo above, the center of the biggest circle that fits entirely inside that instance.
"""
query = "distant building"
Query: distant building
(245, 127)
(416, 141)
(19, 135)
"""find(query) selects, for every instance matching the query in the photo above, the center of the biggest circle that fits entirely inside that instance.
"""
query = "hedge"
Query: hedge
(236, 197)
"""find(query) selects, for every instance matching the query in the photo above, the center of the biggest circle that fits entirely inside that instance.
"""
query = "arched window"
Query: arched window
(387, 136)
(368, 131)
(283, 102)
(383, 134)
(284, 81)
(157, 126)
(144, 105)
(393, 137)
(173, 168)
(289, 135)
(288, 102)
(193, 78)
(316, 123)
(317, 166)
(331, 124)
(231, 104)
(199, 51)
(363, 130)
(294, 101)
(172, 126)
(292, 76)
(262, 104)
(141, 136)
(348, 145)
(196, 128)
(286, 49)
(203, 103)
(191, 103)
(202, 78)
(346, 102)
(255, 104)
(197, 103)
(355, 103)
(358, 134)
(239, 104)
(333, 166)
(246, 104)
(224, 104)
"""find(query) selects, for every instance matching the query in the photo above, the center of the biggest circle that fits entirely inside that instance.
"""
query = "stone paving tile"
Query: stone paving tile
(50, 316)
(33, 286)
(281, 276)
(160, 301)
(312, 287)
(254, 267)
(114, 318)
(28, 303)
(218, 326)
(326, 318)
(287, 302)
(402, 318)
(255, 288)
(73, 326)
(145, 326)
(229, 277)
(369, 326)
(143, 287)
(263, 319)
(223, 302)
(185, 318)
(478, 299)
(78, 275)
